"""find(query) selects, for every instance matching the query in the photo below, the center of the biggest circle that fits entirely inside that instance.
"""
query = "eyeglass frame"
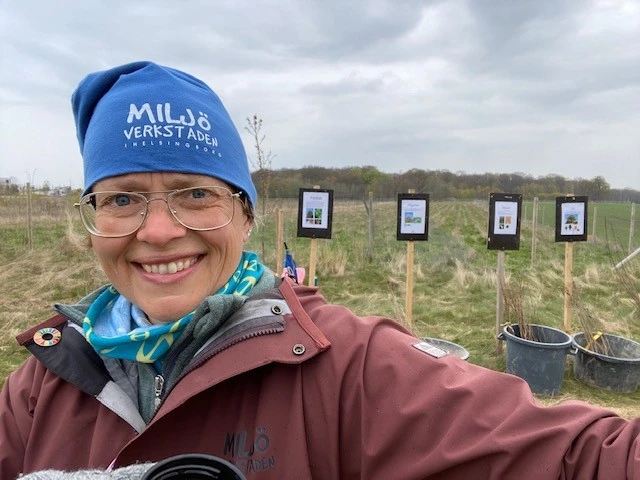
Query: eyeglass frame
(236, 195)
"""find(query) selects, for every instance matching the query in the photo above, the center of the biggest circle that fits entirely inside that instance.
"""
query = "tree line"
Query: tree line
(355, 183)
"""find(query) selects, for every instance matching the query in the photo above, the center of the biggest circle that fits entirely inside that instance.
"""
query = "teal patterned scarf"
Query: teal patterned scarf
(116, 328)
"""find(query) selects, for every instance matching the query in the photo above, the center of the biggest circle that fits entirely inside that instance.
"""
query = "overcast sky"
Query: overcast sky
(539, 87)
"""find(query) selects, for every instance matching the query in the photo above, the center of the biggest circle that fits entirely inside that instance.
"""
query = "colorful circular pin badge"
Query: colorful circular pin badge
(47, 337)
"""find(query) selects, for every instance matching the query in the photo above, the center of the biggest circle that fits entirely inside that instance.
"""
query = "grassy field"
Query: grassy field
(454, 281)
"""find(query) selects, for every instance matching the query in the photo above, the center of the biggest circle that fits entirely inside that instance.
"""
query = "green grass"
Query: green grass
(612, 221)
(454, 281)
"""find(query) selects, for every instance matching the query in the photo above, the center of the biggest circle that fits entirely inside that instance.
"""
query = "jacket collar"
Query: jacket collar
(294, 338)
(298, 342)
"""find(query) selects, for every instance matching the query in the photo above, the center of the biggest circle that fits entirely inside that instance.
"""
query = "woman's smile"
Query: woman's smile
(169, 267)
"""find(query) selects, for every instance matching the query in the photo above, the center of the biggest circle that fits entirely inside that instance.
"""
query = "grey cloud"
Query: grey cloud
(475, 85)
(344, 87)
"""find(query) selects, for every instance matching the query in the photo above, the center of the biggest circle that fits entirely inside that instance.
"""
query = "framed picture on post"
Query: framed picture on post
(413, 216)
(571, 219)
(505, 211)
(315, 213)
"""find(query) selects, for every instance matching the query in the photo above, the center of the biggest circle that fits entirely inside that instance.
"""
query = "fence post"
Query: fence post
(29, 228)
(409, 297)
(568, 285)
(499, 299)
(313, 246)
(370, 246)
(279, 242)
(534, 222)
(631, 228)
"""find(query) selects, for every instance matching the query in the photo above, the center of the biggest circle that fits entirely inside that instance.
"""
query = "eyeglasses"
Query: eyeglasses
(118, 214)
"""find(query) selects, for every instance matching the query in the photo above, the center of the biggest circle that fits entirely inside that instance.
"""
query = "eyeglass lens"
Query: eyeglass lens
(122, 213)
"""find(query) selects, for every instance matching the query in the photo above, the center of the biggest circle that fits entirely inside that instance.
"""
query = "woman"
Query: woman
(195, 347)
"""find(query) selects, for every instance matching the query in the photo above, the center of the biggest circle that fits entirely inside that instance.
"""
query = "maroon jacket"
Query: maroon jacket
(329, 396)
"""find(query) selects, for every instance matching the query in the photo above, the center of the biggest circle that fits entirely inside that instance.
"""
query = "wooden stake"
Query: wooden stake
(409, 299)
(499, 299)
(534, 223)
(595, 217)
(29, 223)
(370, 244)
(568, 285)
(633, 220)
(313, 248)
(312, 261)
(408, 306)
(279, 242)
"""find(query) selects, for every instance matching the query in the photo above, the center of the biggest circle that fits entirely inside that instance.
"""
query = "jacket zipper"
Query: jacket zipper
(158, 387)
(160, 395)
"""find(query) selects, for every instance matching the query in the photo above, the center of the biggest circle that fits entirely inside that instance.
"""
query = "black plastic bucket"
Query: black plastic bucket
(540, 363)
(447, 346)
(619, 371)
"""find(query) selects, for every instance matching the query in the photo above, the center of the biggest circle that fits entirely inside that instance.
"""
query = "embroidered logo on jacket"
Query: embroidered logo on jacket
(249, 453)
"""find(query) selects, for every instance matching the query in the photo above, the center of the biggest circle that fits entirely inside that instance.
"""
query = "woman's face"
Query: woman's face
(140, 265)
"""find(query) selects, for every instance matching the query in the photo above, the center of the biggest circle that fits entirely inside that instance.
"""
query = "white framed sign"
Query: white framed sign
(571, 219)
(315, 213)
(504, 221)
(505, 218)
(413, 216)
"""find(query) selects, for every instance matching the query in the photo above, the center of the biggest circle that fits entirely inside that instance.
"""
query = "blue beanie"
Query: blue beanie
(143, 117)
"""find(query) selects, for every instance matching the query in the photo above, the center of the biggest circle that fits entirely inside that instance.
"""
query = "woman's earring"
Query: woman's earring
(247, 235)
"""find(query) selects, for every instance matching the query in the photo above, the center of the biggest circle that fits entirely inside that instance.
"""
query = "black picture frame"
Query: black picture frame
(504, 230)
(413, 217)
(315, 213)
(572, 218)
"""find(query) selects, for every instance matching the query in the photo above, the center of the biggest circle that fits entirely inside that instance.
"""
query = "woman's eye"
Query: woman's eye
(122, 200)
(200, 193)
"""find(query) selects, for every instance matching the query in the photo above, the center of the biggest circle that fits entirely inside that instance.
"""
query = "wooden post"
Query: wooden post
(370, 245)
(631, 228)
(595, 217)
(279, 242)
(499, 299)
(409, 298)
(534, 222)
(29, 229)
(568, 285)
(313, 248)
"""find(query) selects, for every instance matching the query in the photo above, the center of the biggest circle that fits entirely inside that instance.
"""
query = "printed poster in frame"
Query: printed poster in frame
(571, 219)
(505, 211)
(413, 217)
(315, 213)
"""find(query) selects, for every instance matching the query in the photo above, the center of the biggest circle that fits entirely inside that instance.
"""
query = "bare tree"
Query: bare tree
(262, 165)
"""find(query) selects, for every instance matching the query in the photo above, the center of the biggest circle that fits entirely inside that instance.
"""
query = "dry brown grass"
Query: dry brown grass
(14, 209)
(331, 260)
(33, 282)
